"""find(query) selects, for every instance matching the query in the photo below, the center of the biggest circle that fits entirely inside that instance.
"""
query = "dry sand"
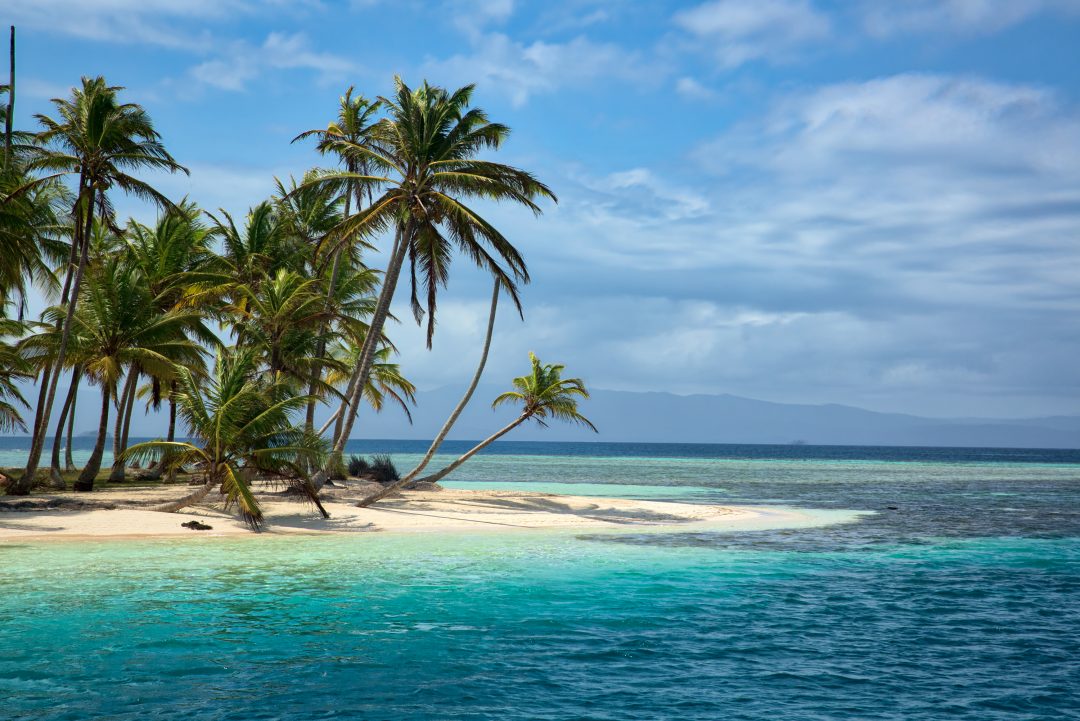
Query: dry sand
(412, 512)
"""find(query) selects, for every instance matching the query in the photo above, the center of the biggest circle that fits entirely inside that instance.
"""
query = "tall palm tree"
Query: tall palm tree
(353, 126)
(99, 140)
(167, 257)
(241, 423)
(423, 158)
(543, 394)
(103, 243)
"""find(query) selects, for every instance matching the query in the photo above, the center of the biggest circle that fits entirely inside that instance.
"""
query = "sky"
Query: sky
(868, 202)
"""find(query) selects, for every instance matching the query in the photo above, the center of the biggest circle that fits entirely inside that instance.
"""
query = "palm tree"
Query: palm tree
(103, 242)
(543, 394)
(423, 157)
(168, 257)
(354, 125)
(280, 319)
(240, 421)
(250, 255)
(100, 140)
(117, 335)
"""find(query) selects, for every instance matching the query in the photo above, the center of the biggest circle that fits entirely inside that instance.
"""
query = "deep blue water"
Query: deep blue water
(958, 597)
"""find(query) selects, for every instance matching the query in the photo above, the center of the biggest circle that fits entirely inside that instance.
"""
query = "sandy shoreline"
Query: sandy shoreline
(415, 512)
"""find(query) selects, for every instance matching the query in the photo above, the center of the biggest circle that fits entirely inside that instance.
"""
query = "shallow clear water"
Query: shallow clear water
(962, 603)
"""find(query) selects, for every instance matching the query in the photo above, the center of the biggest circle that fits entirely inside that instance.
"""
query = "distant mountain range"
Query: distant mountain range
(670, 418)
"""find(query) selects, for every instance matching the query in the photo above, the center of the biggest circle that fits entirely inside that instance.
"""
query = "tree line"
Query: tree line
(240, 328)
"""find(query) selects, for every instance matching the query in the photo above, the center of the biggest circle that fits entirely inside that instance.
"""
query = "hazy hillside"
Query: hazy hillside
(665, 417)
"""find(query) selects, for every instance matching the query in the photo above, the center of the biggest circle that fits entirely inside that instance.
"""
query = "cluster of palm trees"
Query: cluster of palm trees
(242, 327)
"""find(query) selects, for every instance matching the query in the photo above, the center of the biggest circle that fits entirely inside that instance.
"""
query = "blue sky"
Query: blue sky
(865, 202)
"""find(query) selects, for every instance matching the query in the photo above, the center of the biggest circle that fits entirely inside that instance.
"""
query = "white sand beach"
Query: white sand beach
(412, 512)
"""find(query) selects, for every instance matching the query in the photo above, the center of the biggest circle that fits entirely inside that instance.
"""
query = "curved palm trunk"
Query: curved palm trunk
(445, 430)
(123, 418)
(69, 464)
(22, 487)
(439, 475)
(189, 500)
(367, 352)
(345, 404)
(61, 423)
(85, 481)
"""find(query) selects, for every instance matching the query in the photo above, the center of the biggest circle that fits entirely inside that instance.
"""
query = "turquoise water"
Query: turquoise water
(961, 602)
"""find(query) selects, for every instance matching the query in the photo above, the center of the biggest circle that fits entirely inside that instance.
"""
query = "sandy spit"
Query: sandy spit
(412, 512)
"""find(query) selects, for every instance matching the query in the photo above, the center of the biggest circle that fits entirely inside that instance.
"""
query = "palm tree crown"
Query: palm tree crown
(544, 394)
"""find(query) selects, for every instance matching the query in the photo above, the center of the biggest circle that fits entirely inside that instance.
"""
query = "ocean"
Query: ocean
(956, 595)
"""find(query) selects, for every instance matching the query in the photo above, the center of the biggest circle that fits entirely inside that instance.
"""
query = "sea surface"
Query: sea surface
(956, 596)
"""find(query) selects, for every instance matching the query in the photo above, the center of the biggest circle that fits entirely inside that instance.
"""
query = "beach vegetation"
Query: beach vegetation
(241, 328)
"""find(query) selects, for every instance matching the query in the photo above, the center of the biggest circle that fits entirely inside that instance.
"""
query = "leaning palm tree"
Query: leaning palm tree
(423, 157)
(460, 407)
(543, 394)
(241, 424)
(101, 141)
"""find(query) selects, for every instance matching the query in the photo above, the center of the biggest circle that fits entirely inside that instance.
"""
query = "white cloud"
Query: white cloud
(738, 31)
(691, 89)
(522, 71)
(885, 17)
(906, 243)
(916, 121)
(126, 21)
(243, 62)
(474, 16)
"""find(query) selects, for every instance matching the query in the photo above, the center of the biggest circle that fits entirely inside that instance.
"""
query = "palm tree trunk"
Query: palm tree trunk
(156, 470)
(22, 487)
(439, 475)
(189, 500)
(39, 431)
(171, 436)
(65, 413)
(85, 481)
(69, 463)
(367, 352)
(123, 415)
(344, 407)
(445, 430)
